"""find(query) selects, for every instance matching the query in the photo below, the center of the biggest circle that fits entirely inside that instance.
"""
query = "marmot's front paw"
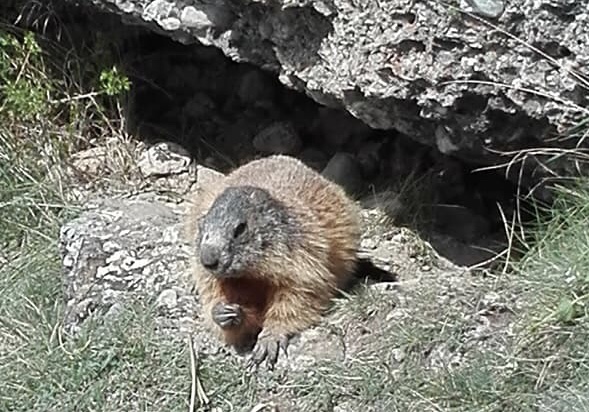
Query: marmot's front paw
(227, 315)
(268, 348)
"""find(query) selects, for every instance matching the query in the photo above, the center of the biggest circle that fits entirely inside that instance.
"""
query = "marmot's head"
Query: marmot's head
(239, 230)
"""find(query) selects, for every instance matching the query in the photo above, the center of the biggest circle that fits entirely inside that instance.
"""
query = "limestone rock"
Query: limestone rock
(344, 170)
(388, 202)
(278, 138)
(90, 161)
(426, 69)
(199, 106)
(168, 298)
(118, 251)
(254, 88)
(369, 158)
(338, 127)
(313, 158)
(206, 176)
(164, 158)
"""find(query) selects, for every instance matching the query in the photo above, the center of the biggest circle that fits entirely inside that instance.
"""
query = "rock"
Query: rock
(254, 88)
(313, 346)
(170, 23)
(424, 69)
(368, 244)
(279, 137)
(369, 158)
(195, 19)
(313, 158)
(344, 170)
(164, 159)
(338, 127)
(90, 161)
(207, 177)
(467, 253)
(488, 8)
(168, 298)
(199, 106)
(236, 137)
(386, 201)
(398, 355)
(114, 311)
(119, 251)
(157, 10)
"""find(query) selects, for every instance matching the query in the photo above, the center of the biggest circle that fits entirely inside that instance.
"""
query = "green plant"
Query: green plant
(113, 83)
(24, 85)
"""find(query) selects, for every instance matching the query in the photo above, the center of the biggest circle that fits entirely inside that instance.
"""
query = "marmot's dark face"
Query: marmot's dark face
(239, 228)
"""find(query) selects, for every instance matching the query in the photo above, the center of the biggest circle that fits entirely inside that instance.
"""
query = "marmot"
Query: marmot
(274, 242)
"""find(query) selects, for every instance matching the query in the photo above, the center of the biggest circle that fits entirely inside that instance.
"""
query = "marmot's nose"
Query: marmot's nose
(209, 257)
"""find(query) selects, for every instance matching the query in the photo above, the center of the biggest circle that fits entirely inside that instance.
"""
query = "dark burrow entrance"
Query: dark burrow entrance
(225, 113)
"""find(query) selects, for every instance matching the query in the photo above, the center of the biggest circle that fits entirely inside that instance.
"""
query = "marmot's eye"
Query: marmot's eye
(239, 230)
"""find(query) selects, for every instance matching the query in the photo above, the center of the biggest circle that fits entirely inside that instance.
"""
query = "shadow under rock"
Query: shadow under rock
(367, 271)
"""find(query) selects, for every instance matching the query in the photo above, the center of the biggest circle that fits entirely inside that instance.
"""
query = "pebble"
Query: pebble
(90, 161)
(313, 158)
(205, 176)
(254, 88)
(168, 298)
(195, 19)
(338, 127)
(170, 23)
(344, 170)
(165, 158)
(278, 138)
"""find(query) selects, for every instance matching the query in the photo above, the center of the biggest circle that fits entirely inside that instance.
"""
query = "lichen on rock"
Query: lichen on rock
(122, 250)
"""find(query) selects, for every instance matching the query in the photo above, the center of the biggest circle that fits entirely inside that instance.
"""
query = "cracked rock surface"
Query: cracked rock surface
(123, 249)
(421, 67)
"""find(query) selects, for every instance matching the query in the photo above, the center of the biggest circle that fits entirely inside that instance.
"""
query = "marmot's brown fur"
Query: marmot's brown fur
(274, 242)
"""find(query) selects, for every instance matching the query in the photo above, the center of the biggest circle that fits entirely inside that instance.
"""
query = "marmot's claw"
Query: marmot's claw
(267, 349)
(227, 315)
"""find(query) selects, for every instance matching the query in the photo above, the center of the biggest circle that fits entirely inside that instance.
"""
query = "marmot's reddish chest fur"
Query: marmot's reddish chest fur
(274, 241)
